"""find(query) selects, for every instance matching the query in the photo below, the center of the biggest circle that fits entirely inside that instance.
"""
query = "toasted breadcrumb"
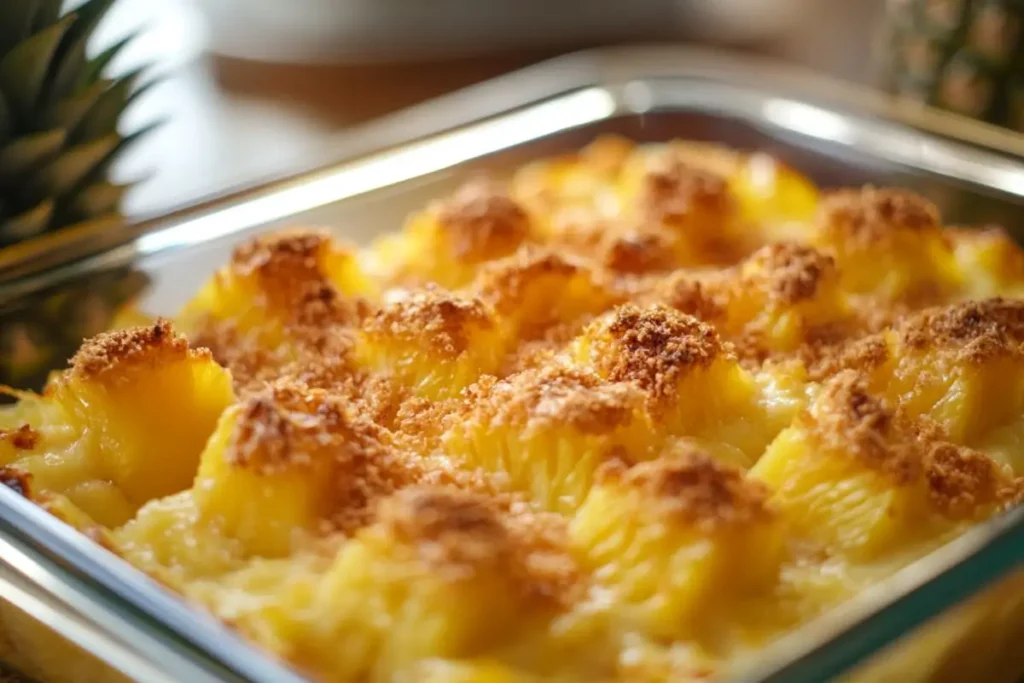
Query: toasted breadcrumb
(432, 317)
(869, 216)
(23, 438)
(483, 221)
(108, 356)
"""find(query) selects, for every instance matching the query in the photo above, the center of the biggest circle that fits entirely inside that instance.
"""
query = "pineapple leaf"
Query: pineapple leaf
(26, 225)
(23, 70)
(16, 19)
(48, 13)
(101, 119)
(65, 174)
(29, 153)
(71, 59)
(68, 113)
(103, 197)
(99, 172)
(5, 120)
(97, 65)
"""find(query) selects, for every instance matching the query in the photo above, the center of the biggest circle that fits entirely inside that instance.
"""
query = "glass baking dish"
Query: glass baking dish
(63, 594)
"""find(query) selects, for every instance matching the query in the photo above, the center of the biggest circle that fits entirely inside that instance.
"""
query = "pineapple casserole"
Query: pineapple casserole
(629, 415)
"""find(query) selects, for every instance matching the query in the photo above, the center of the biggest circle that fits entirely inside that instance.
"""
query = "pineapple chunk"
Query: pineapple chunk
(432, 343)
(867, 482)
(961, 366)
(890, 244)
(573, 187)
(691, 202)
(991, 262)
(126, 424)
(539, 292)
(445, 243)
(674, 540)
(295, 452)
(783, 296)
(694, 386)
(548, 430)
(442, 575)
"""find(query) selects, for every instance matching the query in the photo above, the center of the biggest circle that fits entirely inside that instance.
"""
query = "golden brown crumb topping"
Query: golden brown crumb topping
(691, 295)
(430, 316)
(106, 356)
(655, 348)
(483, 221)
(17, 480)
(506, 284)
(676, 191)
(637, 252)
(693, 487)
(554, 396)
(287, 426)
(975, 330)
(289, 267)
(846, 418)
(24, 438)
(788, 272)
(865, 217)
(459, 534)
(962, 481)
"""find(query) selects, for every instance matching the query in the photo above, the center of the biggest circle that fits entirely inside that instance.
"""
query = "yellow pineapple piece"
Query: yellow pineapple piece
(549, 429)
(127, 423)
(442, 575)
(538, 291)
(866, 482)
(691, 202)
(432, 343)
(288, 462)
(446, 242)
(462, 671)
(694, 385)
(288, 277)
(575, 187)
(991, 262)
(961, 366)
(676, 541)
(888, 243)
(783, 296)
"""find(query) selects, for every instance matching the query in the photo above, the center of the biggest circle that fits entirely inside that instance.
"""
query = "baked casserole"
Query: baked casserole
(629, 415)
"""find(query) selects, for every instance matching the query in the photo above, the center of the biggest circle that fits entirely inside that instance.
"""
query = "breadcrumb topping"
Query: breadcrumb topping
(460, 534)
(106, 357)
(654, 348)
(869, 216)
(676, 191)
(483, 221)
(695, 488)
(975, 331)
(788, 272)
(430, 316)
(17, 480)
(554, 396)
(24, 438)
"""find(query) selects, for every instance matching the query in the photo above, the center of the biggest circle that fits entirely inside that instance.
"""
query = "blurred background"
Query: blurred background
(252, 89)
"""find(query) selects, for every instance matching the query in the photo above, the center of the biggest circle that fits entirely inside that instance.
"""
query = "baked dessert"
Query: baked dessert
(631, 414)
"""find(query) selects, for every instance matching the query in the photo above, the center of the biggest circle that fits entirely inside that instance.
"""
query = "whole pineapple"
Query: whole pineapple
(963, 55)
(58, 137)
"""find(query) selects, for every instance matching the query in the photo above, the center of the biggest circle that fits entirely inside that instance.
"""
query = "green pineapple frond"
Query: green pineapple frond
(59, 118)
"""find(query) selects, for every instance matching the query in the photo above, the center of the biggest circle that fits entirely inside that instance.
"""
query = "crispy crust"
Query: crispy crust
(788, 273)
(695, 489)
(847, 419)
(653, 348)
(552, 397)
(432, 317)
(864, 218)
(460, 534)
(23, 438)
(974, 331)
(676, 191)
(108, 356)
(483, 222)
(17, 480)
